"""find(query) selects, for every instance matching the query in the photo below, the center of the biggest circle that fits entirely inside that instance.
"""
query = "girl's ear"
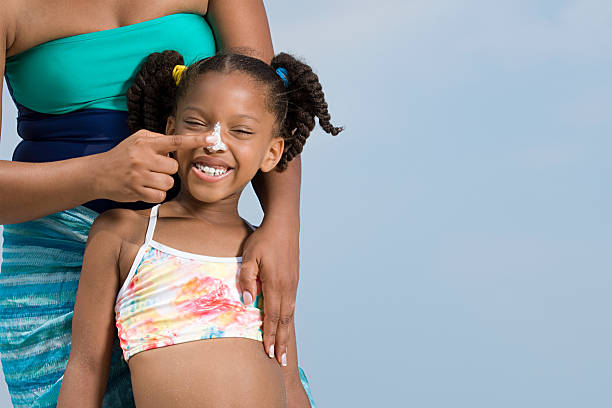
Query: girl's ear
(170, 125)
(170, 130)
(273, 155)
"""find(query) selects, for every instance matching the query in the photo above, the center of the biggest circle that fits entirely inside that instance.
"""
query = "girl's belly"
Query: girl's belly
(217, 372)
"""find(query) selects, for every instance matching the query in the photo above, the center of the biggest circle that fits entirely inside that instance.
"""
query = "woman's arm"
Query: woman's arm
(240, 24)
(279, 195)
(277, 249)
(32, 190)
(296, 395)
(93, 322)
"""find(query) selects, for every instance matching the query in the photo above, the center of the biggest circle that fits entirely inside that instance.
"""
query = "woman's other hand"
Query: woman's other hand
(138, 168)
(271, 253)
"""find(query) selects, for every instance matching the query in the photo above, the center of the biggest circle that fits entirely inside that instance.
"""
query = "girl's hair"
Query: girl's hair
(154, 95)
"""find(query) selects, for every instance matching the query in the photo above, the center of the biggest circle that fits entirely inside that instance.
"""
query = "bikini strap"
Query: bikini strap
(151, 224)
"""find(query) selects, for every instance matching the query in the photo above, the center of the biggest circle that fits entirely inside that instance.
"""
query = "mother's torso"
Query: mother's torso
(69, 64)
(33, 22)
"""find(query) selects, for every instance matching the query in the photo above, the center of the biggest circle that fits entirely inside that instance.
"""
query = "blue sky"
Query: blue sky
(454, 237)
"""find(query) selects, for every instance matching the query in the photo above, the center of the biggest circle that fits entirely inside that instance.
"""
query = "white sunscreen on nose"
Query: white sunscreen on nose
(219, 145)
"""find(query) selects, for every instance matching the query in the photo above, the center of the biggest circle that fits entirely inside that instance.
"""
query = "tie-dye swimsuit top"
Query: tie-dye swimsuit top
(171, 297)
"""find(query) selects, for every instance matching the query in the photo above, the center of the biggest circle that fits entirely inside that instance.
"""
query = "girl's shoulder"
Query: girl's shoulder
(128, 225)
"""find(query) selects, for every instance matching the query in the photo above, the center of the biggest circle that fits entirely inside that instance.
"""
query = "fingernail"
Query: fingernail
(271, 352)
(210, 139)
(248, 299)
(284, 359)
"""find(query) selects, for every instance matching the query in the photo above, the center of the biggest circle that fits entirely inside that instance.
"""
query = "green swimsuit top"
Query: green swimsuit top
(95, 70)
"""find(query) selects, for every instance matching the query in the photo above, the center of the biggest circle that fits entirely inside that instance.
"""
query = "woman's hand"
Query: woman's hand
(138, 168)
(271, 253)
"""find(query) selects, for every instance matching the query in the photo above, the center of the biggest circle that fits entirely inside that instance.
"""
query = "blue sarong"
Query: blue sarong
(39, 276)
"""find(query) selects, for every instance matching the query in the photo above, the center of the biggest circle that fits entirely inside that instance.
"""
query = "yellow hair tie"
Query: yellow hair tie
(177, 73)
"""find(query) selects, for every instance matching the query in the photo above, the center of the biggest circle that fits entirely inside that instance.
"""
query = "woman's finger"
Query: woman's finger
(158, 181)
(163, 164)
(248, 280)
(282, 331)
(151, 195)
(164, 144)
(272, 305)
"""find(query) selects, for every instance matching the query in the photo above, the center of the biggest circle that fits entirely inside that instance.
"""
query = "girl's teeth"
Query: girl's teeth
(210, 170)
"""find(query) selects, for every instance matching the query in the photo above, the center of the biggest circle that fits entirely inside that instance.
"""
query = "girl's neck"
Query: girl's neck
(222, 212)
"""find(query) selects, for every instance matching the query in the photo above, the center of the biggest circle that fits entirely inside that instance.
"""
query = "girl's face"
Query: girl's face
(238, 103)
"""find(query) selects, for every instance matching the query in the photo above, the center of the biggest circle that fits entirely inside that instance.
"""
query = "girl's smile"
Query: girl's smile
(210, 168)
(210, 174)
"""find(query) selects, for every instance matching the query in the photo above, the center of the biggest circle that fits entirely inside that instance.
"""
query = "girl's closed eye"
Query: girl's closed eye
(195, 123)
(245, 131)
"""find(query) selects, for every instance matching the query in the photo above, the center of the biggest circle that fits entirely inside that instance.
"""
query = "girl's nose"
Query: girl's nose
(215, 138)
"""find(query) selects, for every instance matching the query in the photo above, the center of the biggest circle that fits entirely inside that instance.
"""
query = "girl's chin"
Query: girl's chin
(206, 192)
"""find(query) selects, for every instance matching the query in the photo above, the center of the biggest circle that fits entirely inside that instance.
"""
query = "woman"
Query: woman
(68, 75)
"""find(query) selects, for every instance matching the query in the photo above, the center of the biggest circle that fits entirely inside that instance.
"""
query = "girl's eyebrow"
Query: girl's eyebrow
(239, 116)
(245, 116)
(194, 108)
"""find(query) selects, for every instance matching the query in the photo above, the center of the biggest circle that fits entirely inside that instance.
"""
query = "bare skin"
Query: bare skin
(34, 190)
(224, 372)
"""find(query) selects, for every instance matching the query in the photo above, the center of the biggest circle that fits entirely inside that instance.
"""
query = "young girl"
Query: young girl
(169, 275)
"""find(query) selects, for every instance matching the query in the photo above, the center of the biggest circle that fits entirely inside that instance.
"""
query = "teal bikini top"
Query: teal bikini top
(95, 69)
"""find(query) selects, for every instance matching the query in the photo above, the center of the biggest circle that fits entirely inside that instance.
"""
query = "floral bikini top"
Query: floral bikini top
(171, 297)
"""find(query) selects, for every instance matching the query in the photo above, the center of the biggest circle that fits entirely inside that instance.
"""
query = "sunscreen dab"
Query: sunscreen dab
(219, 145)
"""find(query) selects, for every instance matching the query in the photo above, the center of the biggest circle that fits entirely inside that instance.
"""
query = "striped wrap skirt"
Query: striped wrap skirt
(39, 276)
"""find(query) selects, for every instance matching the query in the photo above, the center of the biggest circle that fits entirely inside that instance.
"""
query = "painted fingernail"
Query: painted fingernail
(248, 299)
(284, 359)
(271, 352)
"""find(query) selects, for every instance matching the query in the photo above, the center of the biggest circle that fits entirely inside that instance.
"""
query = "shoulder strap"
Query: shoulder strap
(151, 224)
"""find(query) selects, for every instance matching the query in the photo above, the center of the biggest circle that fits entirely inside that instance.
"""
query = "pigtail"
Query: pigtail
(306, 101)
(151, 98)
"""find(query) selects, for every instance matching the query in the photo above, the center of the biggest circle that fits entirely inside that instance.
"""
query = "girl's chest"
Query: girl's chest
(197, 250)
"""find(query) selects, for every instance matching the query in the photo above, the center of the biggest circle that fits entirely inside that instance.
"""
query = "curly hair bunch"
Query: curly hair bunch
(154, 95)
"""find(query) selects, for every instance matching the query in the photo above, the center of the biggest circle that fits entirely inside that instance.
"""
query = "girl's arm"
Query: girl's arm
(93, 323)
